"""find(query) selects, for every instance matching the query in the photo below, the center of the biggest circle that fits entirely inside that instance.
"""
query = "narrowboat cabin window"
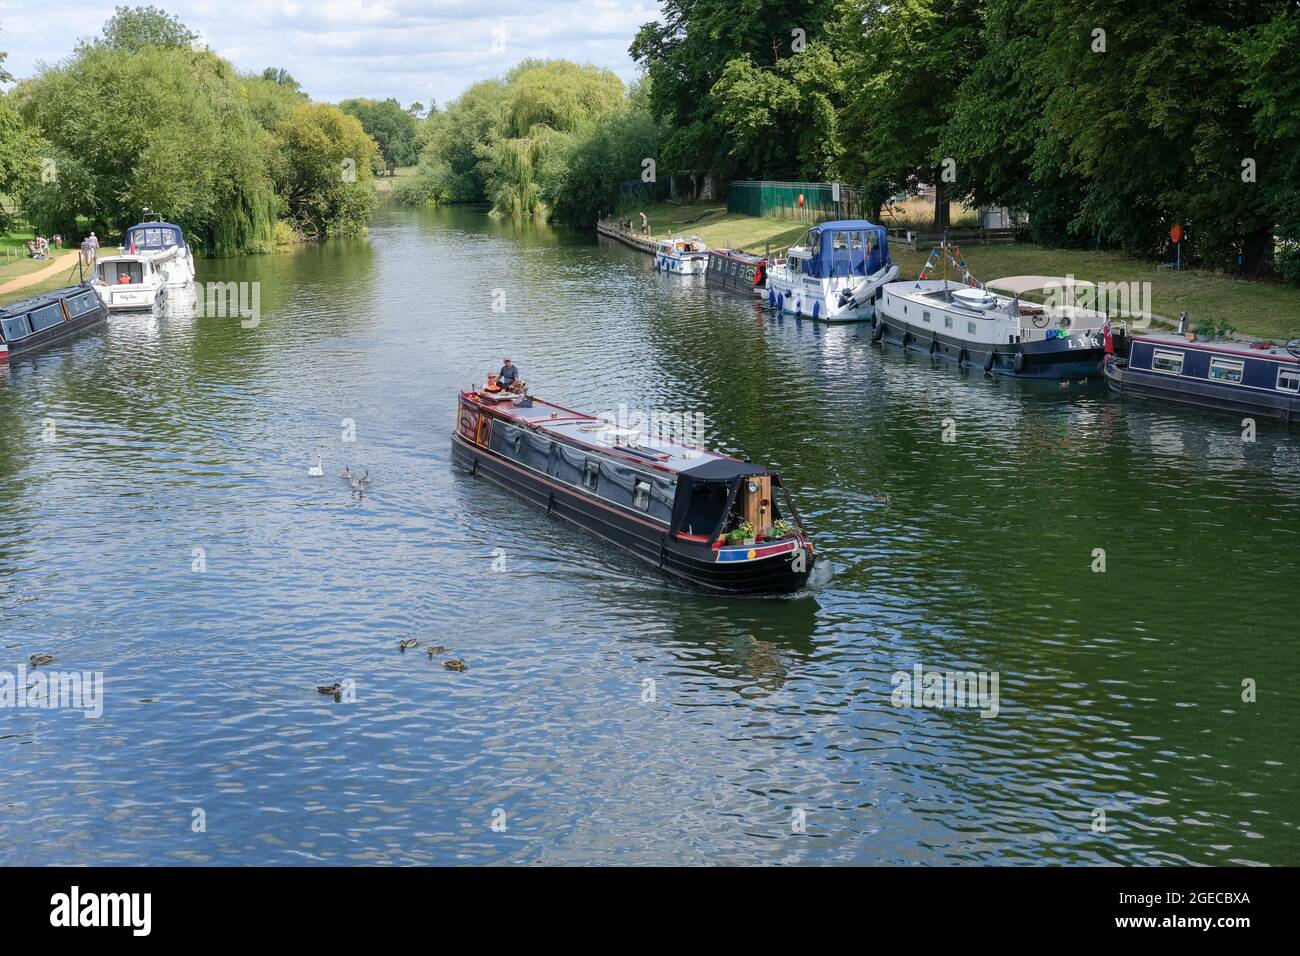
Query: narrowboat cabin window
(81, 304)
(1288, 379)
(641, 494)
(46, 318)
(970, 328)
(1226, 370)
(925, 316)
(591, 474)
(15, 328)
(1170, 362)
(947, 321)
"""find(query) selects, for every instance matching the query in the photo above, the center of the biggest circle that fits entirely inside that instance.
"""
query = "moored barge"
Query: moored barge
(712, 520)
(737, 271)
(1259, 379)
(48, 318)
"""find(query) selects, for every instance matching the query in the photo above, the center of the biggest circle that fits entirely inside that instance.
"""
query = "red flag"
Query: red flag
(1110, 342)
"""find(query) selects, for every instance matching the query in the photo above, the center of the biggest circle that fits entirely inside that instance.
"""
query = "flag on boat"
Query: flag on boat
(1110, 342)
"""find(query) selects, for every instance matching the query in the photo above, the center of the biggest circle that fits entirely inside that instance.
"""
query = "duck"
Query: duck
(346, 473)
(38, 660)
(436, 649)
(357, 487)
(318, 469)
(409, 642)
(365, 477)
(331, 689)
(456, 665)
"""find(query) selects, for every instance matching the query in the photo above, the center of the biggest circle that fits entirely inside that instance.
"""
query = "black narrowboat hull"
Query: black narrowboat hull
(1201, 393)
(647, 540)
(52, 336)
(1049, 359)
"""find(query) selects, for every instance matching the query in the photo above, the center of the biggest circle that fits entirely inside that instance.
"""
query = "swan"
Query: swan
(316, 470)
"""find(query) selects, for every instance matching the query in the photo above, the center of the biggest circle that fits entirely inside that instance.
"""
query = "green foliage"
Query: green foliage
(390, 126)
(324, 173)
(510, 141)
(131, 29)
(685, 54)
(190, 149)
(599, 163)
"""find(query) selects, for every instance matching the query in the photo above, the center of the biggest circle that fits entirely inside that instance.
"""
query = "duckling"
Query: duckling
(436, 649)
(331, 689)
(365, 477)
(456, 665)
(318, 469)
(346, 473)
(409, 642)
(39, 660)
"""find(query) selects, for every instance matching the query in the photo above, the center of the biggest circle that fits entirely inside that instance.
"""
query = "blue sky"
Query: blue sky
(407, 49)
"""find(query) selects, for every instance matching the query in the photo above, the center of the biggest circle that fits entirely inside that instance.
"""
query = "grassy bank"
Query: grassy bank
(1263, 309)
(63, 277)
(386, 184)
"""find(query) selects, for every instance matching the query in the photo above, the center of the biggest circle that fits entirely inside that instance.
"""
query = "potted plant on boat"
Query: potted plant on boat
(742, 533)
(781, 529)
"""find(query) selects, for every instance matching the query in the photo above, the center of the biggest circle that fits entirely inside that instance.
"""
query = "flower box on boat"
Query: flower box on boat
(669, 504)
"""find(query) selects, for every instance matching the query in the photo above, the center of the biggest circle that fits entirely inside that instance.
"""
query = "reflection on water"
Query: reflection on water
(613, 716)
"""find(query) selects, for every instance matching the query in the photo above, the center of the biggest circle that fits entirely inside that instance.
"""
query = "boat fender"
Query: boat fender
(817, 307)
(879, 332)
(988, 362)
(934, 344)
(780, 300)
(771, 297)
(907, 336)
(961, 356)
(1019, 364)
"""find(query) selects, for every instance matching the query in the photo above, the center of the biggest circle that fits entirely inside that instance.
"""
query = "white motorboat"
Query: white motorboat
(128, 282)
(684, 256)
(163, 243)
(834, 273)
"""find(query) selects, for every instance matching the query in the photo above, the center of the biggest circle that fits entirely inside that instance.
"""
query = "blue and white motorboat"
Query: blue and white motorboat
(684, 256)
(164, 245)
(834, 273)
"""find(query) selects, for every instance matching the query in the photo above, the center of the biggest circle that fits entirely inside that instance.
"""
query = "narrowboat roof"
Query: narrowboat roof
(598, 433)
(739, 254)
(36, 302)
(1268, 350)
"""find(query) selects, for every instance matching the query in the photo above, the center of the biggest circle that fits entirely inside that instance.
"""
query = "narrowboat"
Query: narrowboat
(737, 271)
(163, 243)
(48, 318)
(682, 256)
(966, 323)
(1259, 379)
(834, 273)
(714, 521)
(128, 282)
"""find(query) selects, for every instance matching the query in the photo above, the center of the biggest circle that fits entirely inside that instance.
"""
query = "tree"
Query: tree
(190, 149)
(281, 77)
(131, 29)
(416, 108)
(324, 175)
(391, 127)
(19, 147)
(600, 162)
(685, 54)
(903, 64)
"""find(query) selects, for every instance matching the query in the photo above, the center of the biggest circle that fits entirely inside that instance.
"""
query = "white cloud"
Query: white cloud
(406, 49)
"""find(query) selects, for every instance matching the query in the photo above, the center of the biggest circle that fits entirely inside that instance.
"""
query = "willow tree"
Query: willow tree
(323, 173)
(189, 148)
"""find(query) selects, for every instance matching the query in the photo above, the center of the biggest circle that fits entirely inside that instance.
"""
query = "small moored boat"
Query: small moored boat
(834, 273)
(48, 318)
(128, 282)
(163, 243)
(737, 271)
(1260, 378)
(717, 522)
(971, 325)
(685, 256)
